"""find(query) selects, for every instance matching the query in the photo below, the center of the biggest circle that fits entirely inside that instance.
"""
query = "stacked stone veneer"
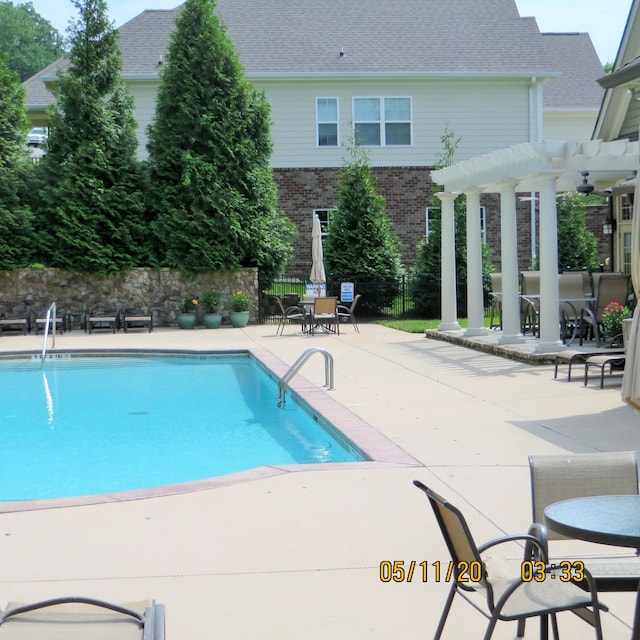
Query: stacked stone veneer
(26, 292)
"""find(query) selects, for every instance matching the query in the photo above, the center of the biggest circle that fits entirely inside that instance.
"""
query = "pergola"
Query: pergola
(548, 168)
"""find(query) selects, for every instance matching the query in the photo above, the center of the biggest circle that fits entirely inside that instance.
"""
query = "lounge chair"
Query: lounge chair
(290, 315)
(72, 618)
(41, 320)
(17, 323)
(134, 318)
(347, 314)
(505, 597)
(102, 320)
(580, 356)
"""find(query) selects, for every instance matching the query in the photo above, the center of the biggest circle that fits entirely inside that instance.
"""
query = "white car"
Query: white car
(37, 136)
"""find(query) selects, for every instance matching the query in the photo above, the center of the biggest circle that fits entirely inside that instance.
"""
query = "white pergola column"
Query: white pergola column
(449, 319)
(475, 297)
(511, 328)
(549, 297)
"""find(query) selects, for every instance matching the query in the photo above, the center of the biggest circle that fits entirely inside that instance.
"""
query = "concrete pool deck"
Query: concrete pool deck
(297, 555)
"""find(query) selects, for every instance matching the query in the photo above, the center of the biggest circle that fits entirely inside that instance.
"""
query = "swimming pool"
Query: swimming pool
(95, 425)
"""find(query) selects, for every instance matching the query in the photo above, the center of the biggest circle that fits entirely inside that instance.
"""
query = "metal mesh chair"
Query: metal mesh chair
(505, 598)
(71, 618)
(577, 475)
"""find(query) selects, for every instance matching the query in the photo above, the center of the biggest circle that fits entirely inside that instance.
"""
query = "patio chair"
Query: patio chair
(556, 477)
(495, 297)
(290, 315)
(573, 302)
(325, 315)
(530, 301)
(347, 314)
(612, 287)
(102, 320)
(501, 597)
(72, 618)
(134, 318)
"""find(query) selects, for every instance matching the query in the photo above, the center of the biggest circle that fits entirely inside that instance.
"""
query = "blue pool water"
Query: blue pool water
(82, 426)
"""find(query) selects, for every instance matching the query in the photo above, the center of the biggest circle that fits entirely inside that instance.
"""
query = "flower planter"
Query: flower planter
(186, 320)
(212, 320)
(239, 318)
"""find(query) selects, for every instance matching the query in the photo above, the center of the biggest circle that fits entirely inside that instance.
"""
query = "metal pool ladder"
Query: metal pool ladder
(297, 365)
(50, 310)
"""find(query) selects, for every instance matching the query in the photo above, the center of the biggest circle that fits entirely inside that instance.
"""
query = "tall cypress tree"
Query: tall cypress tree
(209, 148)
(92, 207)
(361, 245)
(16, 221)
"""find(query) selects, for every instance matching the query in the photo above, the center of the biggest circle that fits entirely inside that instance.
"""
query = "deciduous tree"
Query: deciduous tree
(29, 40)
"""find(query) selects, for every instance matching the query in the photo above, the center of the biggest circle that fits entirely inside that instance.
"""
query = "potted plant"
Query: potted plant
(211, 304)
(187, 316)
(612, 316)
(239, 314)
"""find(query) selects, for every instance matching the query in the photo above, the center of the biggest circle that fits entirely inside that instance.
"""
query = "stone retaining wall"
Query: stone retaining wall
(27, 292)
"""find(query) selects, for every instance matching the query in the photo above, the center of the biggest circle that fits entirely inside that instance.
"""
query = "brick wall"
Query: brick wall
(408, 192)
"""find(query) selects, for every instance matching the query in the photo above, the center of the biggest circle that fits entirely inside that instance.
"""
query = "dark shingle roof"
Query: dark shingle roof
(383, 37)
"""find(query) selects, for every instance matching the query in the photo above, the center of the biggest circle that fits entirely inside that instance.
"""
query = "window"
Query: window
(382, 121)
(327, 117)
(433, 212)
(626, 207)
(324, 216)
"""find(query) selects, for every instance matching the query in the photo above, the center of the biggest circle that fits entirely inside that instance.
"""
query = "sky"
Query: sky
(604, 20)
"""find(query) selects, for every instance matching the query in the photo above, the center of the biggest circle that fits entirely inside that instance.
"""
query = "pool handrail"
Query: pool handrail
(52, 308)
(297, 365)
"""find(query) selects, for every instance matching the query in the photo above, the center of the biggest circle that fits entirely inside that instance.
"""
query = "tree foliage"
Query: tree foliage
(577, 246)
(29, 41)
(92, 208)
(212, 190)
(427, 268)
(361, 245)
(16, 221)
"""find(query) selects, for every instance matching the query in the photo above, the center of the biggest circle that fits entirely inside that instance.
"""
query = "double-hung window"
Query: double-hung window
(327, 119)
(380, 122)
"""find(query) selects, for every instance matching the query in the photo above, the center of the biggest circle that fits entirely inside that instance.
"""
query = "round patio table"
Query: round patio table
(613, 520)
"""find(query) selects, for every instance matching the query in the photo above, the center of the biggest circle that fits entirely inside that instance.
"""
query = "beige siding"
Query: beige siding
(485, 115)
(569, 125)
(144, 96)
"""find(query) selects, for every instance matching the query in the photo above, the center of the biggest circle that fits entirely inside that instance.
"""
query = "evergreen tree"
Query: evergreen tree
(577, 246)
(361, 245)
(29, 40)
(212, 188)
(16, 222)
(428, 265)
(92, 208)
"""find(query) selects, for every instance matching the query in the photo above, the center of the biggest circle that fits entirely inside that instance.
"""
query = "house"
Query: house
(399, 72)
(619, 118)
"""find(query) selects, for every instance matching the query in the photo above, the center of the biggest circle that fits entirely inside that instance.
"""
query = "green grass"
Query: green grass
(419, 326)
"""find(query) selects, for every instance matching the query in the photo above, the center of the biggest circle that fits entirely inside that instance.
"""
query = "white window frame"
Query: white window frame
(325, 219)
(382, 122)
(336, 122)
(483, 221)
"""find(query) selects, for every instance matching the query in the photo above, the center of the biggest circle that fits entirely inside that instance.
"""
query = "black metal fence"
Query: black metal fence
(290, 290)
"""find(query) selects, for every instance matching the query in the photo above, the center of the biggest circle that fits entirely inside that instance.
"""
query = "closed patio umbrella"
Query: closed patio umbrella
(631, 379)
(317, 260)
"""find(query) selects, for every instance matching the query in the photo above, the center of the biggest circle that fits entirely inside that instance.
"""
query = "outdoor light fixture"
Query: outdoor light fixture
(585, 188)
(608, 226)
